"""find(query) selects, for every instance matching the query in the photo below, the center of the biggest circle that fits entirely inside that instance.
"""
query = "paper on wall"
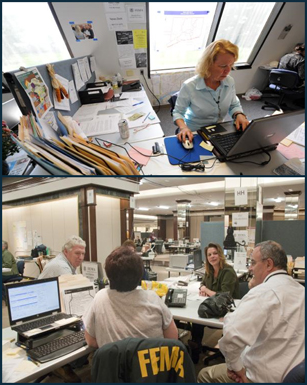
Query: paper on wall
(83, 73)
(78, 80)
(116, 21)
(240, 219)
(72, 92)
(114, 7)
(136, 14)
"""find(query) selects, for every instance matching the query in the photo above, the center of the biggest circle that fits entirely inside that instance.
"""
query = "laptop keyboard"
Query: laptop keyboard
(58, 347)
(40, 322)
(227, 141)
(201, 271)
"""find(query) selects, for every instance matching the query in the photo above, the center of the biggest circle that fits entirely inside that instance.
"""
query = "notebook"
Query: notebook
(34, 307)
(263, 134)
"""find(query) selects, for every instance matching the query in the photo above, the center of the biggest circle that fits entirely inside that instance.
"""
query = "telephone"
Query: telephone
(135, 86)
(176, 297)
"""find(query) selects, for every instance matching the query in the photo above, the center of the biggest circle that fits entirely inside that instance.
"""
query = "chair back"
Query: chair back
(284, 78)
(20, 266)
(148, 360)
(172, 101)
(296, 374)
(243, 288)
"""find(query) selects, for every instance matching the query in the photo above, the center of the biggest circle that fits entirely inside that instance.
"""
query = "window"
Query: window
(30, 36)
(179, 32)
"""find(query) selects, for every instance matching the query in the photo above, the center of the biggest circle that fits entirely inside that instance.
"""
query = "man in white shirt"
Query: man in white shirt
(264, 338)
(68, 260)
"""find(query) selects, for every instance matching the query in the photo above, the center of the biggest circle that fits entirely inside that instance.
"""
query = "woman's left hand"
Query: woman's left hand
(241, 121)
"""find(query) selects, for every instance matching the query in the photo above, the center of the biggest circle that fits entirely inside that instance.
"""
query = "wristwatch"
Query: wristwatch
(234, 116)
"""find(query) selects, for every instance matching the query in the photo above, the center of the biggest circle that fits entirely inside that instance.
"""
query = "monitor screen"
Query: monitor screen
(198, 261)
(11, 113)
(28, 300)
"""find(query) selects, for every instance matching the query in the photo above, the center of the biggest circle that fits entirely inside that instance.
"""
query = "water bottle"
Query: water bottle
(119, 80)
(114, 82)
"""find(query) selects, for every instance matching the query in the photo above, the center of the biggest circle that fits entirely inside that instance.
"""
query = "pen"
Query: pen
(136, 104)
(139, 129)
(146, 117)
(34, 362)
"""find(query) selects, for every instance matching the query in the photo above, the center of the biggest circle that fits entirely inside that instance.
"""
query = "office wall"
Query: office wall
(108, 226)
(105, 49)
(53, 222)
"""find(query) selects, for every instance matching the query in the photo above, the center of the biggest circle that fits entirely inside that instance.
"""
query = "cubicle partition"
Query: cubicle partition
(290, 234)
(62, 68)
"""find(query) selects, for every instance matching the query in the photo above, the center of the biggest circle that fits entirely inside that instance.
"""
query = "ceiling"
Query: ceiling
(206, 193)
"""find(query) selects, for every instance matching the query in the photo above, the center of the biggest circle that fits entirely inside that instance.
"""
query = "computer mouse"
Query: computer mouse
(187, 144)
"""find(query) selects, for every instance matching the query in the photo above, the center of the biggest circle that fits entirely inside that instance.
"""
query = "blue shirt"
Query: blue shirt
(196, 105)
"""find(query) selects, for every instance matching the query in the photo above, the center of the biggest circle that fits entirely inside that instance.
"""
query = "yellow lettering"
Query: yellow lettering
(154, 360)
(165, 359)
(179, 366)
(143, 362)
(175, 355)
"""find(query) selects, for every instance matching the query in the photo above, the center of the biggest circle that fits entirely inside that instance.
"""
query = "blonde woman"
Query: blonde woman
(207, 97)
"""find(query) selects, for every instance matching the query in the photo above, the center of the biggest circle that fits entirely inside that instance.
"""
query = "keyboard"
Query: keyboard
(58, 347)
(201, 271)
(227, 141)
(40, 322)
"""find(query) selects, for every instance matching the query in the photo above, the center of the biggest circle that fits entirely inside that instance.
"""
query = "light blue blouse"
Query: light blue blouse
(196, 105)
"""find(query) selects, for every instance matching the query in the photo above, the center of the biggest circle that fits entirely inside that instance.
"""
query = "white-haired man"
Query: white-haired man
(68, 260)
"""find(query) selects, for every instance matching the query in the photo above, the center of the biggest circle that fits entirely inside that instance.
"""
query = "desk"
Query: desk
(190, 312)
(147, 261)
(177, 270)
(10, 374)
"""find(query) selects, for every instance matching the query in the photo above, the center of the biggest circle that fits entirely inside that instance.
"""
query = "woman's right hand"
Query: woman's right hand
(202, 291)
(184, 134)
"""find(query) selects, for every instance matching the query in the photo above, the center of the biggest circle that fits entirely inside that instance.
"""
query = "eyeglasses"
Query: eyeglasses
(252, 262)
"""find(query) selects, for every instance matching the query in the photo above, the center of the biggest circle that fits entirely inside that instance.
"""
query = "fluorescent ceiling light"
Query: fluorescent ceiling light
(163, 207)
(278, 200)
(142, 208)
(213, 203)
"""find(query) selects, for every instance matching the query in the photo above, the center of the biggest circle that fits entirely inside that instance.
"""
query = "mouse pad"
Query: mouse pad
(178, 155)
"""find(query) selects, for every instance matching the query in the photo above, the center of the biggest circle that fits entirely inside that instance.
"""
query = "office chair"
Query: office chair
(296, 374)
(172, 102)
(133, 360)
(285, 83)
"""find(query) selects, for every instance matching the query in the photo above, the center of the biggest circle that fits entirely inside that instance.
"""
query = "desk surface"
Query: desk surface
(11, 366)
(190, 312)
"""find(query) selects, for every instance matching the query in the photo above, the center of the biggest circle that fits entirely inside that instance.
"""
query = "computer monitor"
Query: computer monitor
(198, 260)
(92, 270)
(11, 113)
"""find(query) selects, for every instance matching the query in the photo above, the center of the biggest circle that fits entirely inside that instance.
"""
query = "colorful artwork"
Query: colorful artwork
(35, 87)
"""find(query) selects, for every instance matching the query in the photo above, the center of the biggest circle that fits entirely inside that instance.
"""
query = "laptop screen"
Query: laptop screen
(33, 299)
(198, 261)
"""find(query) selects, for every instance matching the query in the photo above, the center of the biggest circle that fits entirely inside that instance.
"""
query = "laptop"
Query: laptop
(198, 263)
(261, 135)
(34, 307)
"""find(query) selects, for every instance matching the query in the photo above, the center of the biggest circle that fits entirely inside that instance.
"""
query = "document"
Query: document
(298, 136)
(88, 112)
(64, 103)
(72, 92)
(38, 92)
(78, 80)
(77, 299)
(105, 124)
(82, 70)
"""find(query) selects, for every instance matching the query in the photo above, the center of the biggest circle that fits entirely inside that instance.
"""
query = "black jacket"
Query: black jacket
(143, 360)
